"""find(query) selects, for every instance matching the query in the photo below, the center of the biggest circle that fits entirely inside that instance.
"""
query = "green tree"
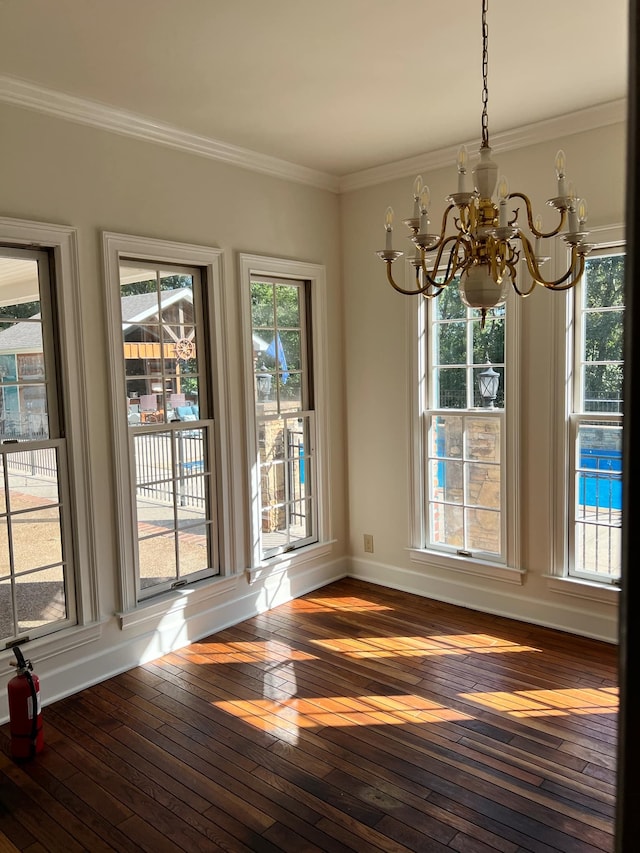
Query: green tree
(603, 332)
(487, 343)
(276, 312)
(17, 312)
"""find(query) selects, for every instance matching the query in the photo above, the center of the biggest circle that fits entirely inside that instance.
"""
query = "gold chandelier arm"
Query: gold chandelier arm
(454, 264)
(418, 291)
(438, 286)
(514, 280)
(530, 222)
(443, 227)
(567, 281)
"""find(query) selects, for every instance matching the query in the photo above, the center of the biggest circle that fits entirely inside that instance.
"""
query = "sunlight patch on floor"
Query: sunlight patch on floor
(340, 711)
(549, 703)
(447, 644)
(318, 604)
(243, 652)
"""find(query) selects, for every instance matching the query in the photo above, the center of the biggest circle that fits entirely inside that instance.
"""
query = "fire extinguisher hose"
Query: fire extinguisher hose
(34, 715)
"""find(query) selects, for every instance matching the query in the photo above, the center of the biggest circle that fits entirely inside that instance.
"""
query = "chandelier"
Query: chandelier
(487, 244)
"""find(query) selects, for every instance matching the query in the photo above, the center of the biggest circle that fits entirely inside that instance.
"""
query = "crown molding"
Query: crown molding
(71, 108)
(31, 96)
(601, 115)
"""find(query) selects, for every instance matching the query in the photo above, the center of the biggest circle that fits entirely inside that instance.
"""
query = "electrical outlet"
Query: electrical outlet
(368, 543)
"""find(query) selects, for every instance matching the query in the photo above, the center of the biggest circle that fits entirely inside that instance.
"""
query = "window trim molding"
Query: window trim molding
(116, 246)
(563, 376)
(417, 336)
(63, 242)
(256, 265)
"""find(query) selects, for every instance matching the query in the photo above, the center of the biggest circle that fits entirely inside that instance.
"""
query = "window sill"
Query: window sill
(589, 590)
(284, 562)
(51, 645)
(453, 562)
(174, 603)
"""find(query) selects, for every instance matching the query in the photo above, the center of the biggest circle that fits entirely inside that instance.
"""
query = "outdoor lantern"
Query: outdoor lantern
(488, 382)
(263, 382)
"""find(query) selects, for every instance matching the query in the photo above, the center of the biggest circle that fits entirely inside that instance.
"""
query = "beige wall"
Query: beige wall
(378, 385)
(59, 172)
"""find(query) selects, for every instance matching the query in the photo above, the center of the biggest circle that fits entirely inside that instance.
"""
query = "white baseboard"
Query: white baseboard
(575, 616)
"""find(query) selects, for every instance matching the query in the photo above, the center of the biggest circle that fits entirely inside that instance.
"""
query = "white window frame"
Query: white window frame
(509, 569)
(564, 433)
(252, 266)
(62, 243)
(118, 247)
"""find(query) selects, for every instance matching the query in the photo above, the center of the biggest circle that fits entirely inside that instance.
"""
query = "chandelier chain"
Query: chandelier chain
(485, 74)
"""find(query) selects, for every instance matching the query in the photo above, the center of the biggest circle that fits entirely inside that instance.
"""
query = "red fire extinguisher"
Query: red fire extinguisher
(25, 713)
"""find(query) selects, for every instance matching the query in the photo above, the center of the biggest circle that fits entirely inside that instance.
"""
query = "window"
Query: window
(465, 454)
(284, 310)
(465, 465)
(170, 424)
(47, 562)
(166, 379)
(595, 424)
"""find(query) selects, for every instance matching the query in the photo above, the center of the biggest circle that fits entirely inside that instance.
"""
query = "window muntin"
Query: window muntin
(170, 425)
(464, 433)
(37, 587)
(283, 406)
(596, 421)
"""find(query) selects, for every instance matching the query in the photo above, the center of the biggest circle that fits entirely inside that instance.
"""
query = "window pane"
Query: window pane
(446, 436)
(447, 482)
(483, 485)
(40, 598)
(488, 343)
(287, 306)
(488, 402)
(291, 392)
(300, 521)
(603, 336)
(483, 439)
(291, 351)
(604, 281)
(602, 385)
(262, 306)
(42, 526)
(447, 525)
(598, 550)
(599, 499)
(483, 530)
(157, 560)
(452, 388)
(272, 492)
(193, 551)
(451, 343)
(449, 306)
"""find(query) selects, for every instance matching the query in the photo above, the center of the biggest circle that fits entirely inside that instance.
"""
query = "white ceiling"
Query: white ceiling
(333, 85)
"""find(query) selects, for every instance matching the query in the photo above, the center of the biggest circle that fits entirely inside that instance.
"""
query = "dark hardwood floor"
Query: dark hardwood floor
(356, 718)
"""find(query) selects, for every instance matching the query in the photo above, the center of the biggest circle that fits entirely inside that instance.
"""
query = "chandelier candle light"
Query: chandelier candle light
(488, 244)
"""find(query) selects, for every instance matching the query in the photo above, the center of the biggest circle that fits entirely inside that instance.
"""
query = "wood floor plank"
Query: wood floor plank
(354, 718)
